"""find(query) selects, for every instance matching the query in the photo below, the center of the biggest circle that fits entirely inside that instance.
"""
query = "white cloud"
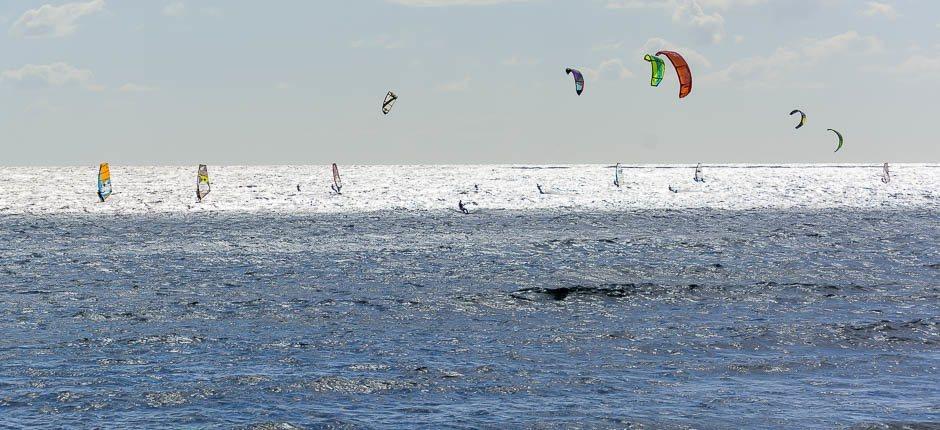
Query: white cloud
(849, 41)
(776, 68)
(50, 75)
(693, 57)
(516, 60)
(212, 12)
(880, 9)
(53, 21)
(440, 3)
(920, 67)
(610, 46)
(707, 26)
(135, 88)
(610, 69)
(456, 86)
(382, 41)
(176, 9)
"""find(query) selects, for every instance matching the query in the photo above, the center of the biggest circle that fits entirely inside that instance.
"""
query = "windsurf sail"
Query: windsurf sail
(202, 182)
(698, 173)
(802, 117)
(578, 79)
(886, 176)
(104, 182)
(337, 181)
(389, 102)
(840, 139)
(618, 175)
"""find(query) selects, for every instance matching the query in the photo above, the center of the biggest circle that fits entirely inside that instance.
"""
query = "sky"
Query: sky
(479, 81)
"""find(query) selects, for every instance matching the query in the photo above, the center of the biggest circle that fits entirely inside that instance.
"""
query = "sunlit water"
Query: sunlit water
(704, 318)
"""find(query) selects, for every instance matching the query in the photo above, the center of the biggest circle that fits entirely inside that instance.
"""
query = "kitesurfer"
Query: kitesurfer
(298, 188)
(462, 208)
(539, 186)
(675, 191)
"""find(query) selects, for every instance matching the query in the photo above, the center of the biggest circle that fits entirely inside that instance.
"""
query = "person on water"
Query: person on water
(539, 186)
(675, 191)
(335, 188)
(298, 188)
(462, 207)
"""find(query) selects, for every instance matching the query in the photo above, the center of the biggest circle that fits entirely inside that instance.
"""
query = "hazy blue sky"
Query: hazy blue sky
(480, 81)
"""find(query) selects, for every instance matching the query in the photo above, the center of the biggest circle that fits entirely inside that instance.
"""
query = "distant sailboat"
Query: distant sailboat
(618, 176)
(886, 176)
(337, 182)
(202, 183)
(104, 182)
(698, 173)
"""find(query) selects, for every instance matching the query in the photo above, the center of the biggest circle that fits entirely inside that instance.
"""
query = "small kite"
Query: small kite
(578, 79)
(682, 70)
(389, 102)
(840, 139)
(659, 68)
(802, 117)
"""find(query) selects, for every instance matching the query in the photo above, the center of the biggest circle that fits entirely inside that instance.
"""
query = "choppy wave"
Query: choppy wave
(696, 318)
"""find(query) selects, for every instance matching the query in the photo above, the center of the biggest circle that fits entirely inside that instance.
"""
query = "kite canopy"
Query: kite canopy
(578, 79)
(840, 139)
(104, 182)
(659, 68)
(389, 102)
(802, 117)
(682, 70)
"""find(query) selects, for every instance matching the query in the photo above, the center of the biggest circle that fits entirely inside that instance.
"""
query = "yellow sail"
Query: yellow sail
(104, 181)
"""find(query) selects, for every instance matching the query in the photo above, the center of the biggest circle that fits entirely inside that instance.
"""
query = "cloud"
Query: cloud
(176, 9)
(516, 60)
(775, 68)
(849, 41)
(610, 69)
(135, 88)
(383, 41)
(50, 75)
(919, 67)
(442, 3)
(53, 21)
(454, 87)
(609, 46)
(656, 44)
(707, 27)
(880, 9)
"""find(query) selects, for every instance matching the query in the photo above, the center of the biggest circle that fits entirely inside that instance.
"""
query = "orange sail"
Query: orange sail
(104, 182)
(682, 69)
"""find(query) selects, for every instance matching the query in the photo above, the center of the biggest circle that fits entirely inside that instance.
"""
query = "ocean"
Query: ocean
(767, 297)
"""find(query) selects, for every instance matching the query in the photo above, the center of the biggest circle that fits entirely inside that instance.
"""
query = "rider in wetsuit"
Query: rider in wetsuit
(462, 207)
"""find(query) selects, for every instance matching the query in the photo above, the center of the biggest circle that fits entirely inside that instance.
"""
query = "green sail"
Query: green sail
(658, 69)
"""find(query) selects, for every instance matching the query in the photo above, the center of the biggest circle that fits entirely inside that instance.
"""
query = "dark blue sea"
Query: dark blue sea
(704, 319)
